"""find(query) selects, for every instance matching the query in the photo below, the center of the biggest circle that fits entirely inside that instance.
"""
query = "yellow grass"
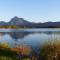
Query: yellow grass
(51, 51)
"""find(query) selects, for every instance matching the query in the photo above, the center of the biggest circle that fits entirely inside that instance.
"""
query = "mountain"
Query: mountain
(2, 23)
(20, 22)
(48, 25)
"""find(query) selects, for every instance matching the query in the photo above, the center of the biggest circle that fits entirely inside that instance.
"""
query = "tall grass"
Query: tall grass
(50, 51)
(7, 53)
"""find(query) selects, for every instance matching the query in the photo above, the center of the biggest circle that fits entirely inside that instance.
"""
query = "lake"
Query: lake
(30, 37)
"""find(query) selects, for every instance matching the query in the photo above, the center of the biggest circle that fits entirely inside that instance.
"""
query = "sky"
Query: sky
(31, 10)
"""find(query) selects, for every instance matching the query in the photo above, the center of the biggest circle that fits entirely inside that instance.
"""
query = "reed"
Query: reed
(50, 51)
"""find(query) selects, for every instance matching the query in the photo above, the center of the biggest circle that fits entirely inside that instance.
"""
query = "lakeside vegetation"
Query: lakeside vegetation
(17, 27)
(14, 27)
(48, 51)
(17, 53)
(8, 27)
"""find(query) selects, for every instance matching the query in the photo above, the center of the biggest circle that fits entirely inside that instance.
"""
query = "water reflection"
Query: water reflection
(30, 42)
(17, 35)
(33, 39)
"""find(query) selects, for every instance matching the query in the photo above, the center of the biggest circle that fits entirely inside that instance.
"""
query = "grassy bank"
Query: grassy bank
(50, 51)
(7, 53)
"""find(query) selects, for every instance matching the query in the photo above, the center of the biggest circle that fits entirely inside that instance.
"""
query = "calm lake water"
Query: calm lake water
(30, 37)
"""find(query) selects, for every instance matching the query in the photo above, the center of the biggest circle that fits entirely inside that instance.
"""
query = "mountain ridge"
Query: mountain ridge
(16, 21)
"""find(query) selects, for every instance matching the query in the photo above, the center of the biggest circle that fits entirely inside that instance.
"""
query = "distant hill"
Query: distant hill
(48, 25)
(20, 22)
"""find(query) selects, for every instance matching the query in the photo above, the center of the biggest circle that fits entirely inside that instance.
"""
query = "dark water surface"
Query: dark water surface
(29, 37)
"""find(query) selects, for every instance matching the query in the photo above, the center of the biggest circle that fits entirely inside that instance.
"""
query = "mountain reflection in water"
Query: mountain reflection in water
(13, 37)
(29, 38)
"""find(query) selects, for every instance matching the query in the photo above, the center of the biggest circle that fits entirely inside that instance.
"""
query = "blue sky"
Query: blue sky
(31, 10)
